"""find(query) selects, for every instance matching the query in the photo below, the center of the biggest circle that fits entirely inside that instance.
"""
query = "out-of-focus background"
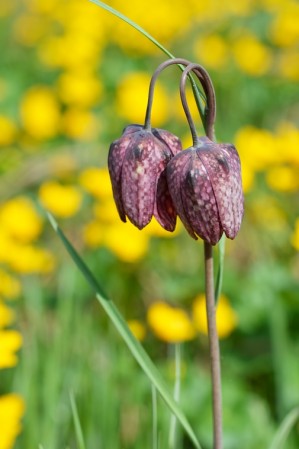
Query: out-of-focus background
(71, 77)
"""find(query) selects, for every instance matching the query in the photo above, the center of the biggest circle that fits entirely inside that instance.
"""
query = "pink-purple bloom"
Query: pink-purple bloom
(137, 163)
(205, 185)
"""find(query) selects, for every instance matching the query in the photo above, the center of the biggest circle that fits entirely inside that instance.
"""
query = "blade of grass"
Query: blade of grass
(284, 429)
(172, 441)
(197, 93)
(219, 278)
(77, 424)
(154, 418)
(133, 344)
(132, 24)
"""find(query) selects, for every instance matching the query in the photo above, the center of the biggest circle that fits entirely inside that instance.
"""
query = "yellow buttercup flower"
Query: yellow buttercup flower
(79, 88)
(212, 51)
(19, 219)
(11, 411)
(28, 29)
(284, 30)
(132, 97)
(8, 131)
(62, 200)
(154, 229)
(257, 147)
(126, 242)
(10, 287)
(137, 328)
(27, 259)
(6, 315)
(226, 318)
(170, 324)
(288, 64)
(42, 6)
(251, 55)
(40, 113)
(93, 234)
(268, 213)
(287, 140)
(283, 178)
(295, 236)
(247, 178)
(106, 212)
(80, 124)
(10, 343)
(96, 181)
(69, 51)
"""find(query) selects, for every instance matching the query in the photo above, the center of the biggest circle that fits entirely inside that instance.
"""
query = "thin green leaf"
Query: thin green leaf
(133, 344)
(197, 93)
(219, 278)
(154, 418)
(132, 24)
(284, 429)
(77, 424)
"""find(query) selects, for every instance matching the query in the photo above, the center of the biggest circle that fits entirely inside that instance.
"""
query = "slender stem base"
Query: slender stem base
(214, 346)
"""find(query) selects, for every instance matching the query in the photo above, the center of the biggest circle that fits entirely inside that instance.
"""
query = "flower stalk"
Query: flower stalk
(214, 346)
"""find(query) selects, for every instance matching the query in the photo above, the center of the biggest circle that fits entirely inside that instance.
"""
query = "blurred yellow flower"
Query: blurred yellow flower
(19, 219)
(6, 315)
(154, 229)
(27, 259)
(62, 200)
(8, 131)
(137, 328)
(247, 178)
(69, 51)
(96, 181)
(40, 113)
(288, 64)
(226, 318)
(79, 124)
(10, 343)
(6, 8)
(257, 148)
(93, 234)
(11, 411)
(268, 213)
(295, 236)
(170, 15)
(80, 88)
(212, 51)
(106, 212)
(169, 323)
(126, 242)
(28, 29)
(42, 6)
(284, 30)
(283, 178)
(287, 140)
(132, 99)
(251, 55)
(10, 287)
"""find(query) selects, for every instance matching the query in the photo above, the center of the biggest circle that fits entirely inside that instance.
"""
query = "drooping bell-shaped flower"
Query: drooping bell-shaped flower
(205, 185)
(137, 163)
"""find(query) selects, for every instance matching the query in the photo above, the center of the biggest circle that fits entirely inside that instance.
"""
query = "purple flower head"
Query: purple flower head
(205, 185)
(137, 163)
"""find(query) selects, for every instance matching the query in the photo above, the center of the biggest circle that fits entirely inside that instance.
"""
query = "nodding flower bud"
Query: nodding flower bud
(137, 163)
(205, 185)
